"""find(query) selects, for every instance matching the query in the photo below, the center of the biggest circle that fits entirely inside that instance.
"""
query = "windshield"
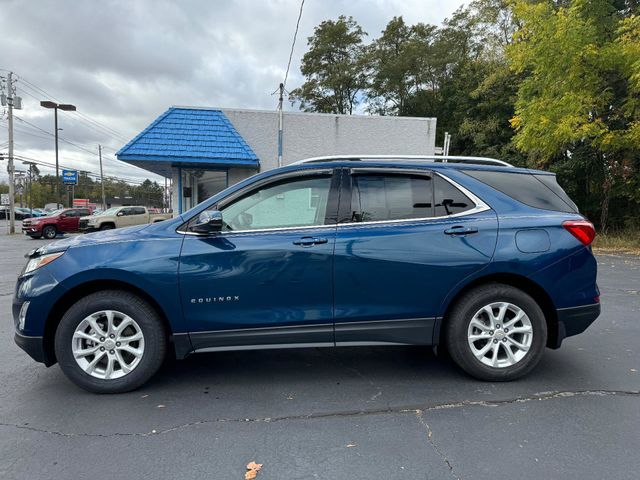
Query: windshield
(109, 211)
(55, 212)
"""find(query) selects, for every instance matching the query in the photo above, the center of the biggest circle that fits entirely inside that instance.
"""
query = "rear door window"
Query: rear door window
(538, 191)
(382, 197)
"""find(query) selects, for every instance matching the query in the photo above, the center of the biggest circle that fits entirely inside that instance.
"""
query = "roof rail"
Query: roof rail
(416, 158)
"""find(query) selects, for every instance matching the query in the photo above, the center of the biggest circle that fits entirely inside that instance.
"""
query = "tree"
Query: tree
(583, 101)
(334, 68)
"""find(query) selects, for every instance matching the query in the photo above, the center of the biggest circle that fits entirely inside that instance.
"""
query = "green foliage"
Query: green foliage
(334, 68)
(551, 84)
(577, 107)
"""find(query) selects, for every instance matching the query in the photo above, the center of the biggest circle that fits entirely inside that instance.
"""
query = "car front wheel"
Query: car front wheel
(496, 333)
(110, 342)
(49, 232)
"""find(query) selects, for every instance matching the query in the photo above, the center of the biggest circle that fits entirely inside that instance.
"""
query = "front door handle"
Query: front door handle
(460, 230)
(309, 241)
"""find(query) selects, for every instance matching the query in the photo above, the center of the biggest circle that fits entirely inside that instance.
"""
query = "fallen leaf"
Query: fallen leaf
(160, 406)
(633, 370)
(351, 445)
(253, 469)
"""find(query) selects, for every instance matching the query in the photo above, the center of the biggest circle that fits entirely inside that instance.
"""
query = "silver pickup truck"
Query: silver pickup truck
(117, 217)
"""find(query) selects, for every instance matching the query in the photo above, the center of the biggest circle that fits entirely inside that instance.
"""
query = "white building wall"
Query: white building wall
(313, 135)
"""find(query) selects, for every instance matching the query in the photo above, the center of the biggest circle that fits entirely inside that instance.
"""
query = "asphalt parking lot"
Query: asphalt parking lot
(335, 413)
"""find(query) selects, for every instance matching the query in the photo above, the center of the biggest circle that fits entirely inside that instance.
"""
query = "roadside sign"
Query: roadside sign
(4, 199)
(70, 177)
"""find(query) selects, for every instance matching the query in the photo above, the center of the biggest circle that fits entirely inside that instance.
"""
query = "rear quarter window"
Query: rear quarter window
(538, 191)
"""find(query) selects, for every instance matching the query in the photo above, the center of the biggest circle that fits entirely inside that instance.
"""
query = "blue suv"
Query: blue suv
(490, 261)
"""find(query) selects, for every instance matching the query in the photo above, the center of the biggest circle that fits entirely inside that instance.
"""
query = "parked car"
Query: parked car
(31, 212)
(19, 214)
(59, 221)
(117, 217)
(491, 261)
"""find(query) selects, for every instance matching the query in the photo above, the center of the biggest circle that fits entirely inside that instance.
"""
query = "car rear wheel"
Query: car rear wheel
(496, 333)
(49, 232)
(107, 226)
(110, 342)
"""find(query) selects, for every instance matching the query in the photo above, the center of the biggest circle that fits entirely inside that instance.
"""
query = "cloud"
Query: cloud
(123, 63)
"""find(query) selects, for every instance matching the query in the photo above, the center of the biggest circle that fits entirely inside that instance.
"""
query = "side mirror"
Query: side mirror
(63, 215)
(120, 214)
(209, 221)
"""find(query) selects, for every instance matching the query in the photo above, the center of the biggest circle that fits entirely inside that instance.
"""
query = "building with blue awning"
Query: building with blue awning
(204, 150)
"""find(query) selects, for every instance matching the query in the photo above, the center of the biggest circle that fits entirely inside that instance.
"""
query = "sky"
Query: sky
(123, 63)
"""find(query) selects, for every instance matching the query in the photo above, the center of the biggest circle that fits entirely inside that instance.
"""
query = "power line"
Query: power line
(86, 118)
(293, 44)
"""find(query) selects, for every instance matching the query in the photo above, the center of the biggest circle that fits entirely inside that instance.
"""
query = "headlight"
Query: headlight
(38, 262)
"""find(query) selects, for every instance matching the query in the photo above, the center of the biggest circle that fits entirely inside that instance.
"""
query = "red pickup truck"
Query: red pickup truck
(59, 221)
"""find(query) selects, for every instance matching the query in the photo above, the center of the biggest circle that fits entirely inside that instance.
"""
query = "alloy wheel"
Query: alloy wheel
(500, 334)
(108, 344)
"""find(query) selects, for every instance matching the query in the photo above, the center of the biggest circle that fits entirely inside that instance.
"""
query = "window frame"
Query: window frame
(330, 219)
(344, 216)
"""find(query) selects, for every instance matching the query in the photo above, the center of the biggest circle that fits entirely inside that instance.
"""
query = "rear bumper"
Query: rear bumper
(575, 320)
(34, 346)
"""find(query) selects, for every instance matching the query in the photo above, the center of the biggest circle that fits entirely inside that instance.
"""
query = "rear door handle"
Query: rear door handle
(309, 241)
(460, 230)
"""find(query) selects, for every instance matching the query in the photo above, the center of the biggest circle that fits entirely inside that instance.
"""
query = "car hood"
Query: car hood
(44, 217)
(104, 236)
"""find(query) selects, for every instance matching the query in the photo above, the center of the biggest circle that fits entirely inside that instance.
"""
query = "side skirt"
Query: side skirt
(414, 331)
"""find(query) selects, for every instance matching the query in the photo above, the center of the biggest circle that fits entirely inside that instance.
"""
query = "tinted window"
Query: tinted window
(295, 203)
(377, 198)
(449, 200)
(532, 190)
(137, 211)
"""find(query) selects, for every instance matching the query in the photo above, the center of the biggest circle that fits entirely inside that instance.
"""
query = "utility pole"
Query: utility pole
(12, 201)
(104, 202)
(280, 99)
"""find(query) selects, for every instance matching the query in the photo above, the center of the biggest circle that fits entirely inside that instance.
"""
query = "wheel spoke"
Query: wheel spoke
(520, 330)
(514, 320)
(483, 351)
(123, 365)
(110, 328)
(501, 312)
(131, 338)
(510, 355)
(95, 326)
(126, 321)
(85, 351)
(479, 325)
(86, 336)
(494, 354)
(92, 365)
(133, 351)
(482, 336)
(518, 345)
(489, 311)
(109, 370)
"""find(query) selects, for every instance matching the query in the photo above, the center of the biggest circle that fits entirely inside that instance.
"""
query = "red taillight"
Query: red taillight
(581, 229)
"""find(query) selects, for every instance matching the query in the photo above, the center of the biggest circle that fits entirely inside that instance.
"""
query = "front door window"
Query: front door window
(287, 204)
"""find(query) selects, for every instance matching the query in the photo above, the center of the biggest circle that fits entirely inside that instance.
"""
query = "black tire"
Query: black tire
(155, 340)
(107, 226)
(49, 232)
(457, 324)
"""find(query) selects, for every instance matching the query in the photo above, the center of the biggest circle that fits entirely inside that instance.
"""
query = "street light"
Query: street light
(67, 108)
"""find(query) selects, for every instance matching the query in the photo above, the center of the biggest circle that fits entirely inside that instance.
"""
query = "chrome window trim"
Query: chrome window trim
(480, 206)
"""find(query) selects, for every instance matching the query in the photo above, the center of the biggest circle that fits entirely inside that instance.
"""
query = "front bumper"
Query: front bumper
(575, 320)
(34, 346)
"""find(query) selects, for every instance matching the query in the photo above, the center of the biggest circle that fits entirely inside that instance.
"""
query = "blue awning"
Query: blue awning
(188, 137)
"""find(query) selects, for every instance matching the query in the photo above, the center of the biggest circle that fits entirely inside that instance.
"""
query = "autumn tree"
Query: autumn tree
(577, 108)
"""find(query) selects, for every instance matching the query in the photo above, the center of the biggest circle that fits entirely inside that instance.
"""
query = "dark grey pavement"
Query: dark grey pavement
(335, 413)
